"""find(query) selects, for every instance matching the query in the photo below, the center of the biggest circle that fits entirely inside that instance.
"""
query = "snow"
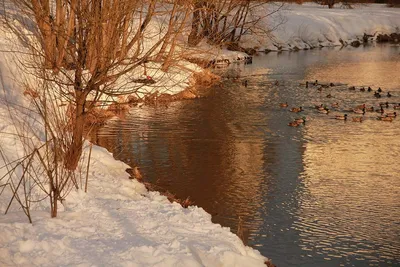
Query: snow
(118, 222)
(306, 26)
(310, 25)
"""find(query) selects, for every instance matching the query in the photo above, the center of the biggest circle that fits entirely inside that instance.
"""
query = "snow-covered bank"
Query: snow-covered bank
(119, 223)
(311, 25)
(307, 26)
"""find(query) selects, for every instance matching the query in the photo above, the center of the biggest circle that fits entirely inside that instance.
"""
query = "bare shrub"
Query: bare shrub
(41, 136)
(88, 50)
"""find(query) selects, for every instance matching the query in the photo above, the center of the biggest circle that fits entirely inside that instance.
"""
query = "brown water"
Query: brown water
(323, 194)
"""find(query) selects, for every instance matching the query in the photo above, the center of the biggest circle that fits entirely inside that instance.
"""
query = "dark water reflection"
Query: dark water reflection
(324, 194)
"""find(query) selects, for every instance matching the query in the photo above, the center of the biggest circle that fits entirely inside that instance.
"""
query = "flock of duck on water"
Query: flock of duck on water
(383, 113)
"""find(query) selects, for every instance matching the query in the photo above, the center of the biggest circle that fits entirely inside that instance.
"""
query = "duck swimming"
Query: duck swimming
(293, 124)
(283, 105)
(379, 90)
(300, 120)
(335, 105)
(385, 118)
(381, 110)
(389, 94)
(386, 104)
(323, 111)
(341, 117)
(391, 114)
(360, 106)
(359, 111)
(369, 89)
(299, 109)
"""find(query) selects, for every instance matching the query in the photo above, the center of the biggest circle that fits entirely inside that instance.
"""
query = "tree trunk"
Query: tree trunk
(45, 23)
(194, 36)
(54, 206)
(75, 151)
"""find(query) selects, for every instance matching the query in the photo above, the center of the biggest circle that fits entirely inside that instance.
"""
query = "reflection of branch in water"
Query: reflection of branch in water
(241, 231)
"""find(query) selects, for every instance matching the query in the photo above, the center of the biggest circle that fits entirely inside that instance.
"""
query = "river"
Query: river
(326, 193)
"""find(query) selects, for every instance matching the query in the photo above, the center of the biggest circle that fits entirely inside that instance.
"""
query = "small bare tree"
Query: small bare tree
(224, 22)
(84, 47)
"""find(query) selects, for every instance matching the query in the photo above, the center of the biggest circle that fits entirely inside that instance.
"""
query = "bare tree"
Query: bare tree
(224, 22)
(83, 48)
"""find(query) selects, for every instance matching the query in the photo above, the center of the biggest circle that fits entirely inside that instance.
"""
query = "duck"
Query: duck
(283, 105)
(385, 118)
(377, 95)
(384, 104)
(391, 114)
(245, 83)
(299, 109)
(300, 120)
(324, 111)
(369, 89)
(357, 119)
(321, 108)
(331, 84)
(316, 82)
(329, 96)
(360, 106)
(306, 84)
(341, 117)
(389, 94)
(380, 110)
(362, 89)
(352, 88)
(359, 111)
(379, 90)
(293, 124)
(335, 105)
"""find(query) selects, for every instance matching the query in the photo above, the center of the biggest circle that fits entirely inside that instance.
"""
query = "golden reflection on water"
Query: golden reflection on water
(207, 160)
(351, 190)
(326, 190)
(374, 74)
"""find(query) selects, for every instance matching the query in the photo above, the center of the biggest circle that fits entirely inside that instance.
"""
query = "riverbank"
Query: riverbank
(302, 27)
(118, 222)
(310, 26)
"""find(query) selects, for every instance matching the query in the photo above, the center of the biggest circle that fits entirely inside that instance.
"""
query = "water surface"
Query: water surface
(324, 194)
